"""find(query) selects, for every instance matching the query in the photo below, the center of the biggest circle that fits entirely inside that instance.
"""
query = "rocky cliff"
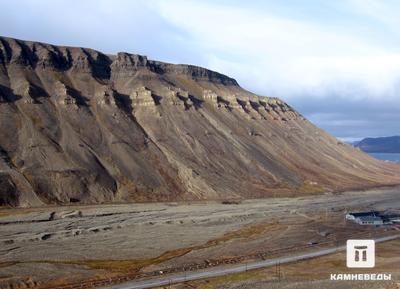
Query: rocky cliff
(77, 125)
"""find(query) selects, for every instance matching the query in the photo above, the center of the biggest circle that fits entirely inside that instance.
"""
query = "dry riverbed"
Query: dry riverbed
(59, 245)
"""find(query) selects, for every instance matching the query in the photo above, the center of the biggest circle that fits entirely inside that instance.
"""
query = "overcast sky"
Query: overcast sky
(337, 62)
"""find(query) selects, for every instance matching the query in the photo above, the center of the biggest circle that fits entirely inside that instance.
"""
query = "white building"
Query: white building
(365, 218)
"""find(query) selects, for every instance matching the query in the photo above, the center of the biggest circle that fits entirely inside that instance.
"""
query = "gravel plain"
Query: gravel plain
(40, 245)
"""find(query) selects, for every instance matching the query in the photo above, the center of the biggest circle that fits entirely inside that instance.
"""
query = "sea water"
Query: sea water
(394, 157)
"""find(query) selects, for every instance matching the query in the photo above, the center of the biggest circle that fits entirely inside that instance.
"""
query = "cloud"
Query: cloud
(352, 119)
(385, 12)
(285, 56)
(109, 26)
(304, 61)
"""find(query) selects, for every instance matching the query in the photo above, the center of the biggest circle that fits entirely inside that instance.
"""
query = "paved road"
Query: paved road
(220, 271)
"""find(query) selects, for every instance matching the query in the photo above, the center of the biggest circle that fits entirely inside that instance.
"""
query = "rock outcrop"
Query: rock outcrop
(77, 125)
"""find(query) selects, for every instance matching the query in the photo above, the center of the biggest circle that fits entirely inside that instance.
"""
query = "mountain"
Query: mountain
(389, 144)
(353, 143)
(77, 125)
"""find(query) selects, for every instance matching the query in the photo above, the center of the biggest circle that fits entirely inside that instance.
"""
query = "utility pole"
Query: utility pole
(278, 270)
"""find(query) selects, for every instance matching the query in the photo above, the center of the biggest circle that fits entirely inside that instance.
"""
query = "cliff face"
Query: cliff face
(77, 125)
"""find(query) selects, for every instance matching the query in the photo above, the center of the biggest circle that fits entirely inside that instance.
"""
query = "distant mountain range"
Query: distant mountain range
(389, 144)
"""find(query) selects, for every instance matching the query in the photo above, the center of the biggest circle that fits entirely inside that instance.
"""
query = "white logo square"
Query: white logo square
(360, 253)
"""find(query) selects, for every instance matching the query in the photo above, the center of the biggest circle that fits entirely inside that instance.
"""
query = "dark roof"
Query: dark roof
(365, 214)
(369, 218)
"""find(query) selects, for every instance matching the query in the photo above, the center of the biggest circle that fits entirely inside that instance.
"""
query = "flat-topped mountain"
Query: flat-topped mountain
(390, 144)
(77, 125)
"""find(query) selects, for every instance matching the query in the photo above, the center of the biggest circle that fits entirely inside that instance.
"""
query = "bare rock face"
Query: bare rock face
(77, 125)
(8, 191)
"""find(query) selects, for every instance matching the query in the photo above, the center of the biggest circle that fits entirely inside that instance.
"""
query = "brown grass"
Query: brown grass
(135, 265)
(309, 188)
(7, 211)
(7, 263)
(314, 269)
(119, 268)
(244, 233)
(228, 279)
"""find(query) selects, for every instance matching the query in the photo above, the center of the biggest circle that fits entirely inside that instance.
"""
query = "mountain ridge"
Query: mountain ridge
(90, 60)
(77, 125)
(390, 144)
